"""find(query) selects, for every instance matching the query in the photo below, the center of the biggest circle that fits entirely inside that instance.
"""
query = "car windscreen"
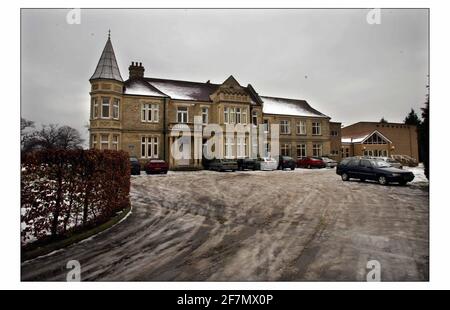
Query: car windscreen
(380, 164)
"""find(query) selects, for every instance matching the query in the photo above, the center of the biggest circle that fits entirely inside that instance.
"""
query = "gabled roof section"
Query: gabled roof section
(107, 67)
(231, 82)
(362, 137)
(292, 107)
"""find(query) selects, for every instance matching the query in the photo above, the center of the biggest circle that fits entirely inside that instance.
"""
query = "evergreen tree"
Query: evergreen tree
(382, 120)
(412, 118)
(425, 129)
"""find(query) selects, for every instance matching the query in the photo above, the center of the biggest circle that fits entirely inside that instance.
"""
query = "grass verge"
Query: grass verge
(34, 252)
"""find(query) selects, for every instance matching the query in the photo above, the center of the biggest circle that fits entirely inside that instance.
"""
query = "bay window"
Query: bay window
(116, 104)
(105, 107)
(104, 142)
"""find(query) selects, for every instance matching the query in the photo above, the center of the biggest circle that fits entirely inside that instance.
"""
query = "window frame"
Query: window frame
(285, 127)
(255, 118)
(95, 111)
(115, 143)
(319, 127)
(205, 112)
(94, 141)
(184, 112)
(301, 127)
(102, 142)
(149, 145)
(302, 148)
(106, 105)
(314, 148)
(116, 108)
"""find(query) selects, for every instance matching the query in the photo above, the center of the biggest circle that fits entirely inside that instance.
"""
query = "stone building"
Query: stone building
(380, 139)
(139, 115)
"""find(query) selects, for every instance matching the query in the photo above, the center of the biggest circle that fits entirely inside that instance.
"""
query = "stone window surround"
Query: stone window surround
(98, 99)
(96, 139)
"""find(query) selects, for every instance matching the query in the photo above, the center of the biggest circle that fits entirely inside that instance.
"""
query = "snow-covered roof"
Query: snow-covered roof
(294, 107)
(107, 67)
(183, 90)
(141, 87)
(360, 138)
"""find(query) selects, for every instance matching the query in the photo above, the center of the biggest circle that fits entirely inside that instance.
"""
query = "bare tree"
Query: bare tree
(24, 134)
(69, 138)
(54, 137)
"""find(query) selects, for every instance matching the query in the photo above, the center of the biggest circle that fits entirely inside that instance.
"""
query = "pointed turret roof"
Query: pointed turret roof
(107, 67)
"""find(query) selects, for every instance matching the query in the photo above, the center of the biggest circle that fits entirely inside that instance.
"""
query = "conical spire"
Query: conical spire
(107, 67)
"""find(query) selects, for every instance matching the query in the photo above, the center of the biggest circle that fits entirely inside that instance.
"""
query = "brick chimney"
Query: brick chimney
(136, 70)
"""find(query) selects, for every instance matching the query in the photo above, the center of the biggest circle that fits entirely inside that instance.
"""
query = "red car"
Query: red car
(311, 162)
(156, 166)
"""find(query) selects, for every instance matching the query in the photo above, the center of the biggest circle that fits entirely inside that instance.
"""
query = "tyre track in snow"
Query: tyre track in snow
(242, 226)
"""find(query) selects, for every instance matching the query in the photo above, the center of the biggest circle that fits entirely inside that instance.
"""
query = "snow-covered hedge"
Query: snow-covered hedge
(67, 190)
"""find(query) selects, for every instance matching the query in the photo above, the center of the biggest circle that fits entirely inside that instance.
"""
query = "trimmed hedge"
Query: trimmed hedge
(63, 191)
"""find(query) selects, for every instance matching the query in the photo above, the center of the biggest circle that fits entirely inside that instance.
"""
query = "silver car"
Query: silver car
(330, 163)
(392, 162)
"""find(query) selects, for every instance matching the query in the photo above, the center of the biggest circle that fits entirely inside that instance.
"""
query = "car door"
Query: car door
(366, 169)
(353, 168)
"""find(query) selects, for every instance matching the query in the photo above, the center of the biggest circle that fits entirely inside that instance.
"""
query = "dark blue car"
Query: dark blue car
(372, 169)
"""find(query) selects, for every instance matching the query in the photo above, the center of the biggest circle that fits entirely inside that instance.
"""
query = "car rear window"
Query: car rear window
(365, 163)
(353, 162)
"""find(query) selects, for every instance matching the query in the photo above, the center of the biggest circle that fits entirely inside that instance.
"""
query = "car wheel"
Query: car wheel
(382, 180)
(292, 168)
(403, 183)
(362, 180)
(309, 166)
(345, 177)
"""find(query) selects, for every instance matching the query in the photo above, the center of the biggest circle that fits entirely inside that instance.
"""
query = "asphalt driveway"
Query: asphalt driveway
(302, 225)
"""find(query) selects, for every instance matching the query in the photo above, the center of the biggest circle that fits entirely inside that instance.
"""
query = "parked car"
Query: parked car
(266, 163)
(156, 166)
(311, 162)
(329, 163)
(223, 164)
(372, 169)
(135, 166)
(286, 162)
(247, 163)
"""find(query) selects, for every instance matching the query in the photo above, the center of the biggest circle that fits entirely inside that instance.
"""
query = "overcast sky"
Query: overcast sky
(343, 66)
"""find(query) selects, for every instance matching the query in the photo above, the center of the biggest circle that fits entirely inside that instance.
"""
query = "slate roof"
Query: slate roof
(292, 107)
(201, 91)
(107, 67)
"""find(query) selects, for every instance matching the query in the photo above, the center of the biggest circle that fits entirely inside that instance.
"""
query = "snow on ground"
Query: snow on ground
(255, 225)
(419, 174)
